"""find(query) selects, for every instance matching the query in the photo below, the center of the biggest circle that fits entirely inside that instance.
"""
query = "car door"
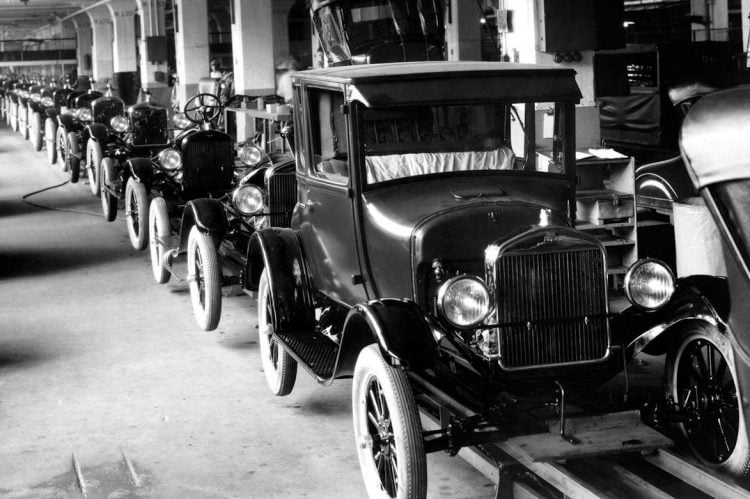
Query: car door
(328, 228)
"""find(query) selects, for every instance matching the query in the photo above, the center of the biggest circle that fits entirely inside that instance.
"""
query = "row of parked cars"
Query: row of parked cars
(413, 240)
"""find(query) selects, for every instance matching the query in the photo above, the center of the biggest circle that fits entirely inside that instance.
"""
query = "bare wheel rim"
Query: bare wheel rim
(133, 213)
(380, 430)
(706, 392)
(199, 277)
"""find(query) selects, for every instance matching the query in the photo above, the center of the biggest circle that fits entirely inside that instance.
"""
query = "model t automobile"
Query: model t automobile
(433, 257)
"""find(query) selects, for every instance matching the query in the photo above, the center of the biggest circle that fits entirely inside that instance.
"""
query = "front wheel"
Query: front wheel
(36, 131)
(136, 213)
(701, 380)
(50, 132)
(387, 429)
(73, 157)
(279, 367)
(158, 222)
(93, 163)
(61, 141)
(109, 200)
(23, 122)
(204, 278)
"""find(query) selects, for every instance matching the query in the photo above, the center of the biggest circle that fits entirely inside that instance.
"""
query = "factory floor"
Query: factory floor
(108, 388)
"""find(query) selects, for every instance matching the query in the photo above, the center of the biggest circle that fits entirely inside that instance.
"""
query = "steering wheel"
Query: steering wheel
(202, 108)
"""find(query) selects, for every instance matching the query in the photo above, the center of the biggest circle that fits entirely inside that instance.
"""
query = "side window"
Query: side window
(330, 143)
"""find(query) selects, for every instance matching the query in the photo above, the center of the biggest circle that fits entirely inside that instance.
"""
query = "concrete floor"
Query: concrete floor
(99, 362)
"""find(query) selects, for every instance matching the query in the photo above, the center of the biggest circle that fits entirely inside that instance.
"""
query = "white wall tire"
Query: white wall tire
(204, 279)
(387, 429)
(73, 157)
(109, 200)
(23, 122)
(36, 131)
(61, 143)
(701, 378)
(93, 164)
(136, 213)
(50, 132)
(279, 367)
(159, 232)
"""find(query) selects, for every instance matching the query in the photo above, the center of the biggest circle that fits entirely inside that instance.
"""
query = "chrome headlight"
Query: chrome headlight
(250, 155)
(47, 102)
(119, 124)
(649, 284)
(248, 200)
(84, 114)
(170, 159)
(180, 121)
(464, 301)
(24, 94)
(36, 97)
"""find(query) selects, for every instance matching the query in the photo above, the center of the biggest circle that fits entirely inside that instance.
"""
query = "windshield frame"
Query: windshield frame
(562, 146)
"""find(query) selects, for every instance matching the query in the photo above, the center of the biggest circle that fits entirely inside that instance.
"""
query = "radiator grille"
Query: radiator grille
(282, 196)
(106, 110)
(553, 308)
(208, 166)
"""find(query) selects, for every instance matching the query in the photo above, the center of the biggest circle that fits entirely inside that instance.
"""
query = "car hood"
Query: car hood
(408, 226)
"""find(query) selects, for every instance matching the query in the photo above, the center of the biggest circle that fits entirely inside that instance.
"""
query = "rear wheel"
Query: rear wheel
(73, 157)
(279, 367)
(36, 131)
(158, 222)
(93, 163)
(136, 213)
(701, 380)
(109, 200)
(387, 429)
(204, 278)
(50, 132)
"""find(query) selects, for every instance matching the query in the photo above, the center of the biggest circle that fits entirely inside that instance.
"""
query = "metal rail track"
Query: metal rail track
(658, 474)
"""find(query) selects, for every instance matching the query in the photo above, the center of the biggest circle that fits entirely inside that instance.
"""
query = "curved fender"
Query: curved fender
(696, 298)
(141, 169)
(280, 252)
(98, 132)
(109, 172)
(66, 121)
(398, 326)
(51, 112)
(206, 214)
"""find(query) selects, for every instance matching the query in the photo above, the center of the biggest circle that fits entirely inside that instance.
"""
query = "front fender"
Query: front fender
(140, 168)
(51, 112)
(98, 133)
(66, 121)
(696, 298)
(279, 251)
(397, 326)
(206, 214)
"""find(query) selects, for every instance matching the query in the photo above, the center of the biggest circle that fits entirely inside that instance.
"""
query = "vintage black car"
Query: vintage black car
(263, 195)
(22, 110)
(54, 136)
(199, 164)
(97, 132)
(433, 257)
(73, 125)
(709, 368)
(41, 108)
(127, 147)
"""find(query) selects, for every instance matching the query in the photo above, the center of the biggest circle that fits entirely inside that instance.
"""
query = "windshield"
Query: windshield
(434, 139)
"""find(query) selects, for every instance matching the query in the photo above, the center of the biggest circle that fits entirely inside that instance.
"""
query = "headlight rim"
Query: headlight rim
(163, 160)
(441, 294)
(235, 196)
(628, 281)
(85, 114)
(120, 119)
(243, 155)
(177, 121)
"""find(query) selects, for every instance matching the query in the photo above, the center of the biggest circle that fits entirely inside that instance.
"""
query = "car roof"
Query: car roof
(714, 137)
(365, 73)
(403, 83)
